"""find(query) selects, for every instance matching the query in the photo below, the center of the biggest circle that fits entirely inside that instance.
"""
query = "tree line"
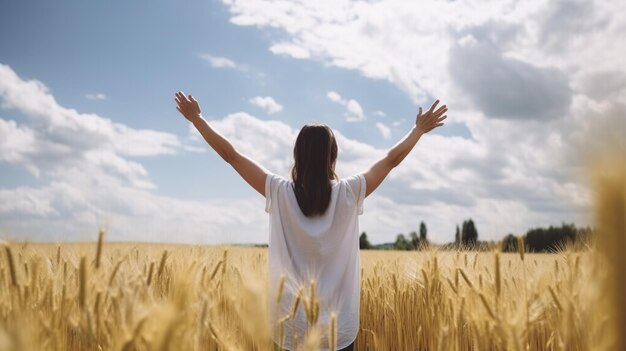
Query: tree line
(549, 239)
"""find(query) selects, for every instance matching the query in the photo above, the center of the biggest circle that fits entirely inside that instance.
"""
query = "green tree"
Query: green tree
(364, 243)
(469, 234)
(457, 237)
(509, 243)
(415, 240)
(401, 243)
(423, 231)
(553, 239)
(423, 234)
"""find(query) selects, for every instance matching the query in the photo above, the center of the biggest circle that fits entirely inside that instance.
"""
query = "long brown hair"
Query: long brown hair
(314, 156)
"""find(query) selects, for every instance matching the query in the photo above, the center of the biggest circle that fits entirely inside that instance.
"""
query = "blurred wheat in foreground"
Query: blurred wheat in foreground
(107, 296)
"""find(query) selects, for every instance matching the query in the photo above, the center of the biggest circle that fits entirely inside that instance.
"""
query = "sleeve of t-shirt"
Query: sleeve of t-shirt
(271, 189)
(357, 185)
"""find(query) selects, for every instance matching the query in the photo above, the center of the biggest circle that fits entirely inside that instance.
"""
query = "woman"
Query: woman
(313, 244)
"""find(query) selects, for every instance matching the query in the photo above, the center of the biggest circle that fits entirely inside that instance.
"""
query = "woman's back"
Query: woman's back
(317, 253)
(321, 249)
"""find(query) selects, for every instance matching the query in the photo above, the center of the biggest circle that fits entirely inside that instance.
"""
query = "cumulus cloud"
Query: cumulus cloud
(97, 96)
(523, 86)
(416, 56)
(268, 142)
(384, 130)
(602, 85)
(503, 87)
(516, 169)
(267, 103)
(89, 176)
(291, 50)
(220, 62)
(78, 131)
(335, 97)
(564, 20)
(354, 111)
(16, 144)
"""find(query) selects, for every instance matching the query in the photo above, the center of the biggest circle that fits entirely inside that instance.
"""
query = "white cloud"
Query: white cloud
(519, 90)
(90, 184)
(398, 122)
(424, 187)
(354, 111)
(220, 62)
(289, 49)
(84, 158)
(267, 103)
(382, 40)
(380, 113)
(517, 169)
(27, 201)
(16, 143)
(71, 132)
(267, 142)
(335, 97)
(511, 72)
(97, 96)
(384, 130)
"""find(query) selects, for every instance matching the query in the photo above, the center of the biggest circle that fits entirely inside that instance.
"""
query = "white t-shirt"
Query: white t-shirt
(320, 248)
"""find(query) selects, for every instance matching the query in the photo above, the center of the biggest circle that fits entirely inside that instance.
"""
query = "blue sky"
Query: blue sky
(97, 140)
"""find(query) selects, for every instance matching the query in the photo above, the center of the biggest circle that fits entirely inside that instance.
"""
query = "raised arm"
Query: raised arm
(424, 123)
(249, 170)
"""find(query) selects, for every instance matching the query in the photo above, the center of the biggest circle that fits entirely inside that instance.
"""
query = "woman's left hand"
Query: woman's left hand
(188, 107)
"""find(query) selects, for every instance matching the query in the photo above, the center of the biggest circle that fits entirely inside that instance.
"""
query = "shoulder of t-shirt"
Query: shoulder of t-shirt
(355, 182)
(277, 179)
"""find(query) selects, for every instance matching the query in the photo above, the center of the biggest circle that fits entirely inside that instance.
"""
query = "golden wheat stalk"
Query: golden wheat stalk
(469, 283)
(483, 299)
(115, 270)
(82, 292)
(11, 263)
(99, 248)
(332, 332)
(521, 249)
(150, 272)
(296, 303)
(58, 260)
(555, 298)
(215, 270)
(162, 263)
(498, 278)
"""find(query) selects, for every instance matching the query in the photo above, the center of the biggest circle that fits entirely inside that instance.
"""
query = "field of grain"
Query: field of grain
(176, 297)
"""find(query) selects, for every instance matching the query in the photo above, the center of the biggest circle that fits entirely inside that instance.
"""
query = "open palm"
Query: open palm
(432, 119)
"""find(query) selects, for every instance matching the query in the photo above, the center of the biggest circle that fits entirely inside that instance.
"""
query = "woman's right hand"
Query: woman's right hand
(431, 119)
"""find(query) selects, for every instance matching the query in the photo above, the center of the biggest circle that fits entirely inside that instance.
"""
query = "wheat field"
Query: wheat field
(176, 297)
(111, 296)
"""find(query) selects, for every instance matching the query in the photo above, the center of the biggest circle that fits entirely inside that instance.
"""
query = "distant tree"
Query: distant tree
(364, 244)
(415, 240)
(423, 232)
(469, 234)
(457, 237)
(554, 238)
(401, 243)
(509, 243)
